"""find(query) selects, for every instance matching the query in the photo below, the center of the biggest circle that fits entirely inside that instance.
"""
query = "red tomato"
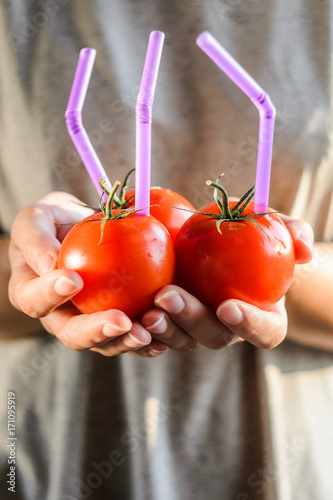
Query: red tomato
(163, 202)
(132, 262)
(241, 263)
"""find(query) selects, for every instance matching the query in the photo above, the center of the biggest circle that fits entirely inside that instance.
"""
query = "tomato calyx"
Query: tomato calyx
(235, 214)
(118, 202)
(107, 209)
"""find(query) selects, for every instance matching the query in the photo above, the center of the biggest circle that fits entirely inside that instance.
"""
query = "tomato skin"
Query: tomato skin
(163, 202)
(241, 263)
(134, 260)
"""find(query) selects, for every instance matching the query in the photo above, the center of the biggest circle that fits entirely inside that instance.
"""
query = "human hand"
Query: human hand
(40, 290)
(181, 322)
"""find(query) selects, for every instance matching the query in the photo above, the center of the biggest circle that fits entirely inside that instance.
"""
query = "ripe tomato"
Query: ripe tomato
(162, 208)
(133, 260)
(239, 262)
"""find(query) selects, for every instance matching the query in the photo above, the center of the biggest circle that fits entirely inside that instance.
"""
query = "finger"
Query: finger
(163, 328)
(191, 316)
(38, 296)
(302, 235)
(35, 234)
(107, 332)
(129, 342)
(265, 329)
(152, 350)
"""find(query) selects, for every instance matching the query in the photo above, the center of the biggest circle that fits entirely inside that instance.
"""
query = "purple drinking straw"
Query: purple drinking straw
(73, 117)
(144, 105)
(263, 103)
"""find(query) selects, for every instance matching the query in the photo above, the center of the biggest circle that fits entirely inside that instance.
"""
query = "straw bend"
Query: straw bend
(144, 107)
(74, 123)
(264, 105)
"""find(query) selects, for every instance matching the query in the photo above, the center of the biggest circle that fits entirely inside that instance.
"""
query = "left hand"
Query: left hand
(182, 322)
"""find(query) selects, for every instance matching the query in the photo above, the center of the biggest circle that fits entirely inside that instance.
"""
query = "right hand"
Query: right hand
(40, 290)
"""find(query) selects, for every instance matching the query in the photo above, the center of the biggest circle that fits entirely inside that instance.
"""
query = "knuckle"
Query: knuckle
(11, 296)
(27, 308)
(223, 341)
(188, 345)
(144, 353)
(273, 342)
(31, 310)
(68, 336)
(50, 303)
(102, 352)
(72, 345)
(98, 339)
(269, 344)
(95, 349)
(193, 319)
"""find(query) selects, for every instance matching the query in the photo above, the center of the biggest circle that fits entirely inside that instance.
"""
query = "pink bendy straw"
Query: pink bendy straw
(74, 118)
(263, 103)
(144, 105)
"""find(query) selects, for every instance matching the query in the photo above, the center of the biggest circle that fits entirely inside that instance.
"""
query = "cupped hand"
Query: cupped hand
(181, 322)
(40, 290)
(178, 321)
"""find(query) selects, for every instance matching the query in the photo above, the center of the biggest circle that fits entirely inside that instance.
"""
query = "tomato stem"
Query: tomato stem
(116, 200)
(123, 189)
(108, 206)
(224, 206)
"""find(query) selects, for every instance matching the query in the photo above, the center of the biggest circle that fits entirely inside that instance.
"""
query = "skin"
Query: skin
(309, 300)
(179, 321)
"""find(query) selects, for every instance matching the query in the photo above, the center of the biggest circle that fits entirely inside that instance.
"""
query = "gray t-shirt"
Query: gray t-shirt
(236, 424)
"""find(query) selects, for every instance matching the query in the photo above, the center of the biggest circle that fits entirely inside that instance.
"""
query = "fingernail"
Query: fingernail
(171, 302)
(46, 264)
(132, 341)
(111, 330)
(65, 286)
(153, 352)
(230, 313)
(122, 322)
(160, 326)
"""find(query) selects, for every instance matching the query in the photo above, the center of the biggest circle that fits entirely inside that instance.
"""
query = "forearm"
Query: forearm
(309, 301)
(13, 323)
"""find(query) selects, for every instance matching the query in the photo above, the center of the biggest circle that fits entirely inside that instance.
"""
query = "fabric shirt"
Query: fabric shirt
(240, 423)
